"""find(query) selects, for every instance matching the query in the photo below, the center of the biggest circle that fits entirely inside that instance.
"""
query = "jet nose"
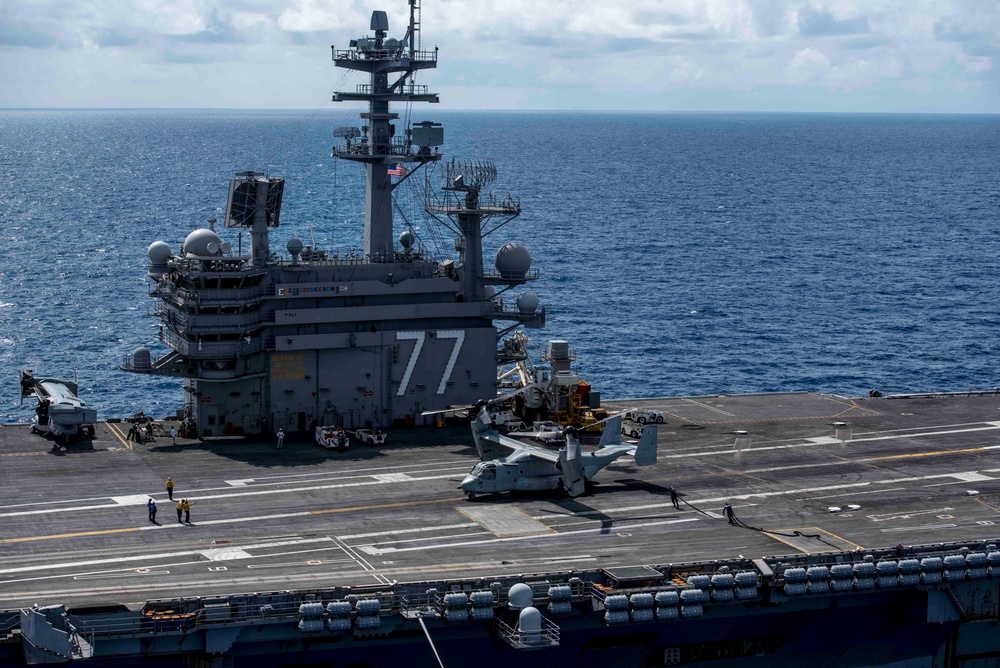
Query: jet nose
(467, 483)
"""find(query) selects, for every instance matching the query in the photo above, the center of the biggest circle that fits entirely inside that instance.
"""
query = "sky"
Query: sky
(927, 56)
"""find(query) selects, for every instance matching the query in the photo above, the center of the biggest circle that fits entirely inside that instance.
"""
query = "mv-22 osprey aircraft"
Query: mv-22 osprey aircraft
(536, 468)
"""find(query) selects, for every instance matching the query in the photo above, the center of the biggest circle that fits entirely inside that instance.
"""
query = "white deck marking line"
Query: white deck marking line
(969, 476)
(831, 440)
(456, 470)
(226, 554)
(378, 534)
(729, 451)
(392, 477)
(958, 482)
(823, 440)
(504, 520)
(972, 476)
(925, 527)
(95, 574)
(544, 536)
(130, 569)
(790, 467)
(302, 564)
(256, 492)
(131, 500)
(905, 515)
(747, 497)
(936, 426)
(433, 464)
(452, 466)
(351, 552)
(467, 534)
(165, 555)
(121, 574)
(251, 582)
(869, 491)
(341, 475)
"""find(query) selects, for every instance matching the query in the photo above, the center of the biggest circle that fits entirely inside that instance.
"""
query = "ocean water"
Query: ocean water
(680, 254)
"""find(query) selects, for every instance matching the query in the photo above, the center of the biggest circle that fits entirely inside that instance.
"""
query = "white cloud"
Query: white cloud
(581, 53)
(179, 17)
(808, 65)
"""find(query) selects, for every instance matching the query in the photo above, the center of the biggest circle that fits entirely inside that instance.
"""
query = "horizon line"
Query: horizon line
(528, 111)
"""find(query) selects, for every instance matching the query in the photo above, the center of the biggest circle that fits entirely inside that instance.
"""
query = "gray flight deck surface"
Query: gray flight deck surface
(74, 530)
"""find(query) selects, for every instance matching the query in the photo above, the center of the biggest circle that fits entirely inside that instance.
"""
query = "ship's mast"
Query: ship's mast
(380, 145)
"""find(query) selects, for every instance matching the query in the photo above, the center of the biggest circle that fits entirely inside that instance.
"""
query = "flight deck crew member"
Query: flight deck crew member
(180, 509)
(281, 438)
(674, 499)
(170, 488)
(173, 435)
(187, 510)
(151, 505)
(727, 510)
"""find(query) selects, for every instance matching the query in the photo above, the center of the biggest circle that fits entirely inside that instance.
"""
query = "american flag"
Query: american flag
(396, 170)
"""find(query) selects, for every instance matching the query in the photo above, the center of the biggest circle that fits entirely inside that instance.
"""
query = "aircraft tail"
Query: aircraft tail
(612, 431)
(645, 452)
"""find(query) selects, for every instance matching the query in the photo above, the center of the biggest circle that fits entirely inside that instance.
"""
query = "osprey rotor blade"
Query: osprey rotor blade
(510, 395)
(452, 409)
(599, 422)
(573, 479)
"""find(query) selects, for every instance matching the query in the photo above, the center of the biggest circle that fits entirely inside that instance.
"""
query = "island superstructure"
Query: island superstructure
(266, 342)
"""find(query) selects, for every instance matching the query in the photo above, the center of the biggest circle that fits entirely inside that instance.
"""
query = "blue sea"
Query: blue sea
(680, 254)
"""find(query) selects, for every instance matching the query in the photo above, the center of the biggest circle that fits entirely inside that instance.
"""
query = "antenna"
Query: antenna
(391, 65)
(469, 175)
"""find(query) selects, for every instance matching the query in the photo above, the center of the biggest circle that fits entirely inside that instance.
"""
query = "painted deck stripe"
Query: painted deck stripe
(728, 450)
(211, 554)
(546, 536)
(309, 488)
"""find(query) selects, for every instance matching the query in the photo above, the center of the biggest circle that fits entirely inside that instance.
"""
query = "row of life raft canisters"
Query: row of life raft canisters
(339, 616)
(890, 573)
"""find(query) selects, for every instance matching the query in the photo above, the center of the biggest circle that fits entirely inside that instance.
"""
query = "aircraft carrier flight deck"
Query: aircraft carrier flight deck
(819, 472)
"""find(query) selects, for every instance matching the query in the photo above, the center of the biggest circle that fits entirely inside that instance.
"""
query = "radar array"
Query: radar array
(468, 174)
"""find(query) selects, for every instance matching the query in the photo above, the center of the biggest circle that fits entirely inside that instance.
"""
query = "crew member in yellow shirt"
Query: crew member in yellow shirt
(187, 510)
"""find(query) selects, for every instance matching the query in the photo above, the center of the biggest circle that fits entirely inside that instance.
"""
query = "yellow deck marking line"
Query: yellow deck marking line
(922, 454)
(817, 530)
(119, 435)
(533, 519)
(104, 532)
(28, 539)
(849, 542)
(401, 504)
(851, 408)
(988, 505)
